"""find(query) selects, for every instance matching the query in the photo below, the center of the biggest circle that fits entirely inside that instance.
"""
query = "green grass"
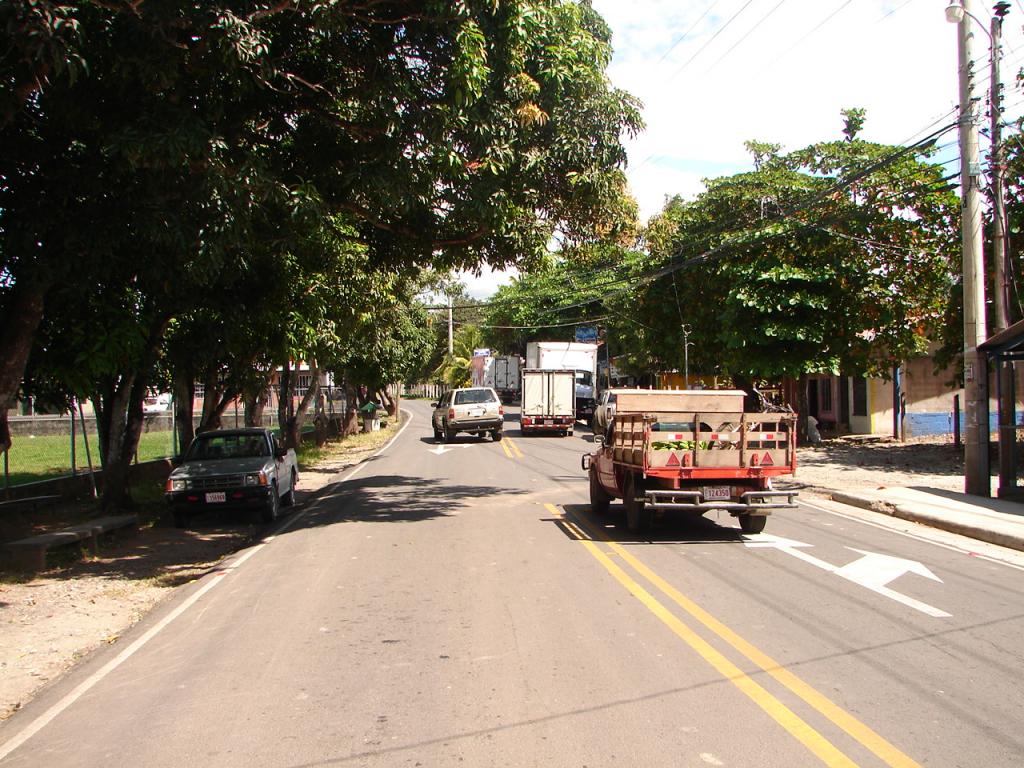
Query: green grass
(43, 457)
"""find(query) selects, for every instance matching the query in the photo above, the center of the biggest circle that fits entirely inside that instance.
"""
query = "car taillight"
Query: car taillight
(501, 410)
(451, 413)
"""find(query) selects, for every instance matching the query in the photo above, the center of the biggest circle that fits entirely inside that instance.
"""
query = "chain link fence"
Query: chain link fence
(46, 446)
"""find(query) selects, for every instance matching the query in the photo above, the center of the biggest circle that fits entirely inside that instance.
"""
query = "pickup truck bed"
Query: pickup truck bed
(662, 458)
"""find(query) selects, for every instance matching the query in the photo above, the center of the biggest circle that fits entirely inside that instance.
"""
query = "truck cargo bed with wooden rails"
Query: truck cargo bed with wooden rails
(692, 451)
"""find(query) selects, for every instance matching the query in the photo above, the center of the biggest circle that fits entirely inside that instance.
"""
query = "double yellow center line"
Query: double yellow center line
(827, 752)
(511, 449)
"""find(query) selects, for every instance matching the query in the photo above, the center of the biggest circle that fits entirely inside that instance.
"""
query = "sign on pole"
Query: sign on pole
(586, 333)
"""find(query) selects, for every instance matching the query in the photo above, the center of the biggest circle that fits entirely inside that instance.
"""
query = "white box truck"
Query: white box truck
(548, 399)
(505, 370)
(579, 357)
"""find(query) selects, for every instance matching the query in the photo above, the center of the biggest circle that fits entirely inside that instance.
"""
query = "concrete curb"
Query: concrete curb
(952, 522)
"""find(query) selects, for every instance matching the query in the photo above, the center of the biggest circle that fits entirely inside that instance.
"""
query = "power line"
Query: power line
(745, 36)
(721, 29)
(897, 8)
(683, 36)
(820, 24)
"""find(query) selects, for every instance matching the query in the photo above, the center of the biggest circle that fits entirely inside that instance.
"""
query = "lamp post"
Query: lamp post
(976, 434)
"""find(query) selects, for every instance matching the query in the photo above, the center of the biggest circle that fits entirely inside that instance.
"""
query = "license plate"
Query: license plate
(716, 493)
(215, 497)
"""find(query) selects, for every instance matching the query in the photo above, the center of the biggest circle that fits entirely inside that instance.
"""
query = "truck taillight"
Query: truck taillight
(451, 413)
(501, 410)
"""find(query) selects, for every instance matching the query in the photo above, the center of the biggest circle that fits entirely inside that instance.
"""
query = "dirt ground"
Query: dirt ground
(51, 620)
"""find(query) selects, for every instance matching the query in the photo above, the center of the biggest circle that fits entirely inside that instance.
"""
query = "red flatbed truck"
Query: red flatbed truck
(692, 451)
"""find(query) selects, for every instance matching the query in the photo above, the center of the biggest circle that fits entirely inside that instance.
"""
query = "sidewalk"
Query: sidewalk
(996, 521)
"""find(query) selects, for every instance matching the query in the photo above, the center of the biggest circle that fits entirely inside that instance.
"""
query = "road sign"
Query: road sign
(586, 333)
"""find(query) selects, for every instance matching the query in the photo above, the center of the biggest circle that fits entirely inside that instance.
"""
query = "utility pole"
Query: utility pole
(451, 338)
(976, 461)
(1000, 258)
(997, 161)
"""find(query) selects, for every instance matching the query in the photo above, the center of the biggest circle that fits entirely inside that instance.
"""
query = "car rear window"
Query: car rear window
(474, 396)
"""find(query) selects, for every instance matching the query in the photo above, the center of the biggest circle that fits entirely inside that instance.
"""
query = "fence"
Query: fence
(431, 391)
(49, 446)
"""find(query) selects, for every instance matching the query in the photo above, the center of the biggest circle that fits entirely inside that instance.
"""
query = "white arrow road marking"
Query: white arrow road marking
(872, 570)
(445, 448)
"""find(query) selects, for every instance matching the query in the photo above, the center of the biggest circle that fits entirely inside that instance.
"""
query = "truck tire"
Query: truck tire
(288, 499)
(449, 434)
(638, 516)
(753, 523)
(272, 508)
(496, 435)
(599, 498)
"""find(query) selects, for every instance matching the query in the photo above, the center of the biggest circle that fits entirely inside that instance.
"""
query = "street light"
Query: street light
(976, 462)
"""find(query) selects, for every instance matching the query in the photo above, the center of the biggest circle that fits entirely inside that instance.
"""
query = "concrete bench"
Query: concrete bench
(30, 554)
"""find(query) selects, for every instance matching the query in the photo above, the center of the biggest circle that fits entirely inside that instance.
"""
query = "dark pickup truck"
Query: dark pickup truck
(232, 468)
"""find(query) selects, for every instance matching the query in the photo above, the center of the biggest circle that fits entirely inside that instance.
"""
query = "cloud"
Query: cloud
(781, 72)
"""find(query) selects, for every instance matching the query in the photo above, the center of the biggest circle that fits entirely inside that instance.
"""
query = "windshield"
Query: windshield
(474, 396)
(227, 447)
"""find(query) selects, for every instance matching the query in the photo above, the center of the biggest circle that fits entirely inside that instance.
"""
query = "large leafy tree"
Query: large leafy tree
(830, 259)
(148, 167)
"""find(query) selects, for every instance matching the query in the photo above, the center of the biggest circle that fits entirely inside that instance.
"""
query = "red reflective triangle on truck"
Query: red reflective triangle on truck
(673, 460)
(767, 461)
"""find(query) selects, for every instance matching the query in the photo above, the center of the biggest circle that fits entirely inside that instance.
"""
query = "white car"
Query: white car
(160, 403)
(476, 410)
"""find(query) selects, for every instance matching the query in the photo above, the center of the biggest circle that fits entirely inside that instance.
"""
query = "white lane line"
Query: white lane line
(214, 579)
(926, 539)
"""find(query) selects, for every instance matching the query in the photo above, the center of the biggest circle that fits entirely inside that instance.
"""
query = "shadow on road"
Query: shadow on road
(671, 529)
(396, 499)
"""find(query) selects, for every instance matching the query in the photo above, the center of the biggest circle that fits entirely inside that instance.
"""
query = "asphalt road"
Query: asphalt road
(459, 605)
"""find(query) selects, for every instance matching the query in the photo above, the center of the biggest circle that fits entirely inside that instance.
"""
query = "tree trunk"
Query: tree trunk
(111, 424)
(17, 332)
(255, 400)
(350, 426)
(802, 408)
(5, 432)
(210, 417)
(184, 398)
(751, 402)
(123, 419)
(295, 422)
(284, 399)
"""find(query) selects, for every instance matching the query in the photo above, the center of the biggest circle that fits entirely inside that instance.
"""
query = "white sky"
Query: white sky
(712, 74)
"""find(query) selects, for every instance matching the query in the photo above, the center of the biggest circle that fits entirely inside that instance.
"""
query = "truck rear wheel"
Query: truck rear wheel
(753, 523)
(599, 498)
(638, 516)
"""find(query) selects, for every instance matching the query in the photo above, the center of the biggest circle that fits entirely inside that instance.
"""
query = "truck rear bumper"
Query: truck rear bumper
(558, 424)
(750, 502)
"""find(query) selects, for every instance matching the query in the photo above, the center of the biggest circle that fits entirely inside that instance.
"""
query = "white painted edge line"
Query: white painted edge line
(214, 579)
(916, 536)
